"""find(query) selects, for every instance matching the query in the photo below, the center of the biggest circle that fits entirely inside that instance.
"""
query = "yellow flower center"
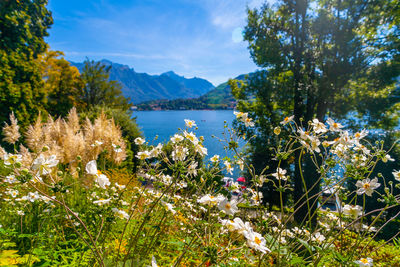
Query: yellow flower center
(98, 172)
(228, 206)
(364, 260)
(286, 119)
(335, 125)
(257, 240)
(357, 135)
(366, 185)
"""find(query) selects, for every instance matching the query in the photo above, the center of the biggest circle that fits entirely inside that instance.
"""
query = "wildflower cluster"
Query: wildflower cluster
(175, 208)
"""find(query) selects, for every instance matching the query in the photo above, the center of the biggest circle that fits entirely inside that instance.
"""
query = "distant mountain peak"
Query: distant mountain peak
(141, 87)
(171, 72)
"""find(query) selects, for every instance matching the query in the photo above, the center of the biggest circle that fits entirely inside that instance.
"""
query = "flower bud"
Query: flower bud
(386, 190)
(45, 148)
(59, 173)
(277, 130)
(18, 165)
(24, 171)
(78, 158)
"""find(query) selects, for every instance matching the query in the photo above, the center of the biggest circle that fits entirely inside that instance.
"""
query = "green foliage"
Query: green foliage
(23, 26)
(21, 88)
(62, 83)
(315, 63)
(98, 89)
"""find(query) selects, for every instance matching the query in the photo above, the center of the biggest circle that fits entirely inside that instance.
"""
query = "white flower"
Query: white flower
(96, 143)
(10, 159)
(387, 158)
(242, 227)
(10, 179)
(241, 164)
(334, 126)
(305, 135)
(286, 120)
(180, 153)
(365, 262)
(244, 117)
(44, 165)
(139, 141)
(280, 174)
(120, 187)
(367, 186)
(315, 144)
(12, 192)
(331, 216)
(199, 148)
(120, 213)
(190, 123)
(91, 167)
(297, 230)
(32, 197)
(256, 197)
(239, 115)
(166, 179)
(318, 126)
(210, 200)
(256, 241)
(153, 262)
(176, 138)
(360, 135)
(214, 158)
(142, 155)
(229, 168)
(170, 207)
(117, 148)
(396, 175)
(229, 207)
(192, 171)
(101, 179)
(191, 137)
(156, 151)
(248, 122)
(102, 201)
(352, 210)
(20, 213)
(318, 237)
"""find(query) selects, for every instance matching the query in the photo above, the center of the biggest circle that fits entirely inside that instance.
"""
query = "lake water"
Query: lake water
(165, 124)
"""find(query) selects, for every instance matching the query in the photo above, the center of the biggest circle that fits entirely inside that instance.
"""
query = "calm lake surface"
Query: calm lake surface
(165, 124)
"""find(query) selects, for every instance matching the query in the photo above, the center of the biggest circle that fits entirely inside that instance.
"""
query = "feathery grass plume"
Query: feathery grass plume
(11, 132)
(34, 135)
(55, 130)
(73, 120)
(73, 144)
(27, 158)
(2, 152)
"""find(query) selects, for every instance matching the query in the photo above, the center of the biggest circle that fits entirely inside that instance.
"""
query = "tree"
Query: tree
(98, 89)
(314, 57)
(23, 26)
(62, 83)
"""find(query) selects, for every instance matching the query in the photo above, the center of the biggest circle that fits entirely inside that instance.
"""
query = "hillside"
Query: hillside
(218, 98)
(141, 87)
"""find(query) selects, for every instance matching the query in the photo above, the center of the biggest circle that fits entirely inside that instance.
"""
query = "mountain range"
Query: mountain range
(142, 87)
(218, 98)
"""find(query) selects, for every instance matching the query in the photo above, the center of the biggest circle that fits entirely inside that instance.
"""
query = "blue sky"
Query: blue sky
(191, 37)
